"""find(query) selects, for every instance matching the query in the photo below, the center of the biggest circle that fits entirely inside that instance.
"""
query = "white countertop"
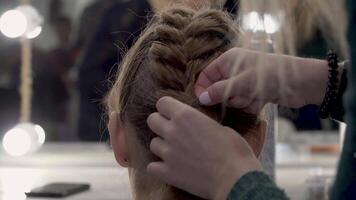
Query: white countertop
(65, 162)
(95, 164)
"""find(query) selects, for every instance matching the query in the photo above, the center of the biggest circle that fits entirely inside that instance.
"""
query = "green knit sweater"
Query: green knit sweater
(258, 186)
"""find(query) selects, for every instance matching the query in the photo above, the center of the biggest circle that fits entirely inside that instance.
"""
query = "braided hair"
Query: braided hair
(166, 61)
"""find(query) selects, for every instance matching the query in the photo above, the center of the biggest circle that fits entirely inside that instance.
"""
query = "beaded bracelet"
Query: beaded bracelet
(332, 89)
(338, 111)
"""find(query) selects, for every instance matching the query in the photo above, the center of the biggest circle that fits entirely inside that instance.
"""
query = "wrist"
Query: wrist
(234, 172)
(317, 93)
(224, 189)
(240, 161)
(320, 73)
(312, 80)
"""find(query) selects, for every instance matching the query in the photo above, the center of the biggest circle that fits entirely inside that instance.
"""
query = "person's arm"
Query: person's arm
(198, 154)
(204, 158)
(260, 78)
(304, 82)
(225, 162)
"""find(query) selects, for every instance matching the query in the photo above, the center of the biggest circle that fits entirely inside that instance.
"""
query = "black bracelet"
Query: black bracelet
(332, 89)
(338, 111)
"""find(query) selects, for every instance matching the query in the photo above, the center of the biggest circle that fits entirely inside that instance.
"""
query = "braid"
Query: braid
(185, 41)
(166, 61)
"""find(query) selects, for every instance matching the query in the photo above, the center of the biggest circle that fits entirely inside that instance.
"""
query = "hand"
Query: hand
(252, 79)
(198, 154)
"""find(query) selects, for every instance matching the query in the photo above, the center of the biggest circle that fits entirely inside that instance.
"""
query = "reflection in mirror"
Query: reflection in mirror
(72, 53)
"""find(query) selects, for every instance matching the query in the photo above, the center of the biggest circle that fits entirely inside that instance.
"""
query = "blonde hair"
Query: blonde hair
(166, 61)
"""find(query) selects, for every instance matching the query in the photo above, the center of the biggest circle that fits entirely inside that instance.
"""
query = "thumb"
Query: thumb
(162, 172)
(214, 94)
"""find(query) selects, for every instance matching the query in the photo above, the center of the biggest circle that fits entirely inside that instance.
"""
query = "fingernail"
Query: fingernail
(205, 99)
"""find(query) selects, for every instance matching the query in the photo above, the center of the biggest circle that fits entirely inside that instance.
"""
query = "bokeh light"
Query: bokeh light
(13, 24)
(24, 21)
(271, 24)
(17, 142)
(35, 33)
(256, 22)
(23, 139)
(41, 134)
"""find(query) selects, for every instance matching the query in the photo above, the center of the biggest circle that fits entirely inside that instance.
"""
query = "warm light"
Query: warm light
(40, 133)
(271, 24)
(35, 33)
(253, 22)
(17, 142)
(343, 127)
(257, 22)
(13, 24)
(24, 139)
(24, 21)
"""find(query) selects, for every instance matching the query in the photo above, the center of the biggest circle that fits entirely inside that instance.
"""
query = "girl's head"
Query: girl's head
(166, 61)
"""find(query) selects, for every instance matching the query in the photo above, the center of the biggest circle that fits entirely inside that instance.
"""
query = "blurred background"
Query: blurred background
(72, 58)
(75, 57)
(76, 54)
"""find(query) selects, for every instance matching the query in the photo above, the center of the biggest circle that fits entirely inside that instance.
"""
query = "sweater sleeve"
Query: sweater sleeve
(256, 186)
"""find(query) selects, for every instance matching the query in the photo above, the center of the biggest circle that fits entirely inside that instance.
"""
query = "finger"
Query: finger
(243, 85)
(242, 90)
(214, 94)
(158, 169)
(202, 85)
(216, 71)
(239, 86)
(167, 106)
(161, 171)
(159, 147)
(158, 124)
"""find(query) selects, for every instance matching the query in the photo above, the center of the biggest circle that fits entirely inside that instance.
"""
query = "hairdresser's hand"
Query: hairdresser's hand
(257, 79)
(199, 155)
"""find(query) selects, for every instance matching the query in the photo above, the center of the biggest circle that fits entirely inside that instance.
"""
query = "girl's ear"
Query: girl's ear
(118, 140)
(256, 137)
